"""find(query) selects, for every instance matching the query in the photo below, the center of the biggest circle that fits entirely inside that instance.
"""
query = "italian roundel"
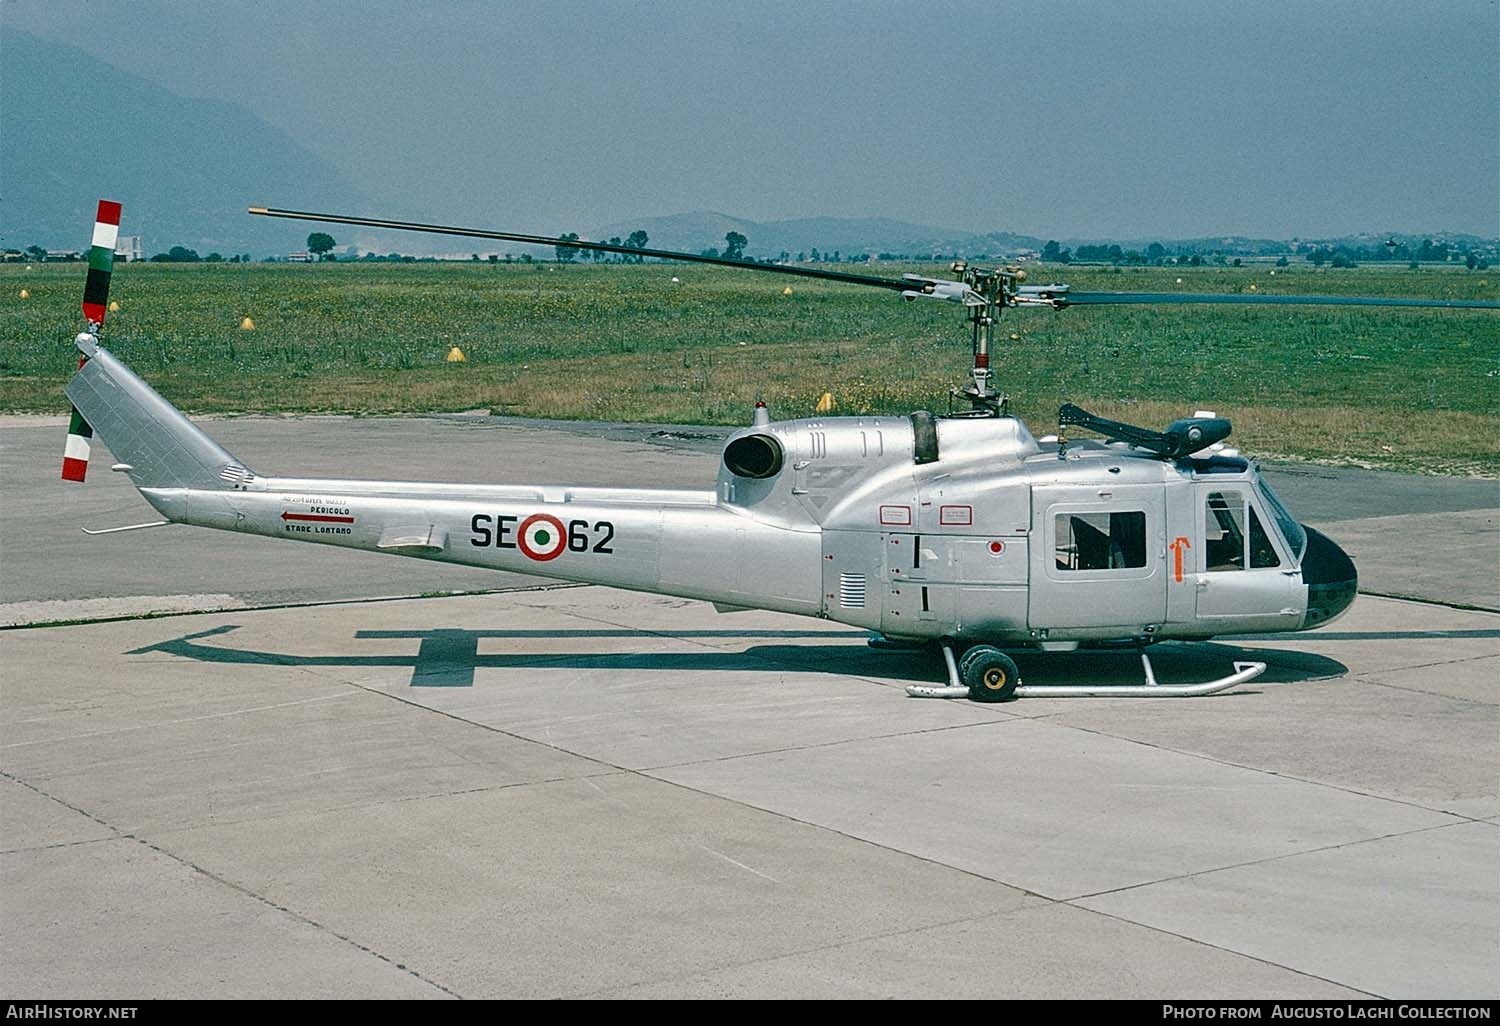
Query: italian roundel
(542, 537)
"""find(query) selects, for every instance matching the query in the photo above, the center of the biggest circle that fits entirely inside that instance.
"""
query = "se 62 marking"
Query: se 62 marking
(541, 536)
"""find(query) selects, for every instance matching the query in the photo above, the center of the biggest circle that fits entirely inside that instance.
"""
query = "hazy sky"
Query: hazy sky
(1110, 118)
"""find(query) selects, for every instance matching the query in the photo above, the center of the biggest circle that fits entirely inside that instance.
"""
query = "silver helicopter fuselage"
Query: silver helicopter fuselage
(916, 527)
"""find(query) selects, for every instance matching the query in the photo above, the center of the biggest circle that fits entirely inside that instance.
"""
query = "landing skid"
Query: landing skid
(1243, 672)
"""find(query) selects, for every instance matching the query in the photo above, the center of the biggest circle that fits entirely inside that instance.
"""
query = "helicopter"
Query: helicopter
(961, 533)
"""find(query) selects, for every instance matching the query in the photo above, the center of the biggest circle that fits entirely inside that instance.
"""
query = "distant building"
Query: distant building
(62, 255)
(128, 247)
(299, 258)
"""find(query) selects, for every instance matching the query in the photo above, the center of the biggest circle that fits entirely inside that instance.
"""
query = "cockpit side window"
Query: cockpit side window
(1262, 552)
(1224, 531)
(1296, 538)
(1233, 537)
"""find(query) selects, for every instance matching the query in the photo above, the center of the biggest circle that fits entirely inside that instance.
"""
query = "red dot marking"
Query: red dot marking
(996, 548)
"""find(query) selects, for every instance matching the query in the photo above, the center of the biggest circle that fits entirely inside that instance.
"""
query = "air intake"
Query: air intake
(753, 456)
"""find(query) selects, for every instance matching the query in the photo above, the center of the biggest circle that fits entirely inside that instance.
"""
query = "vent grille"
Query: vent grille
(852, 591)
(236, 474)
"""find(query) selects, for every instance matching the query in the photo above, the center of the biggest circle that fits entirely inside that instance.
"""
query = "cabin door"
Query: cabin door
(1098, 558)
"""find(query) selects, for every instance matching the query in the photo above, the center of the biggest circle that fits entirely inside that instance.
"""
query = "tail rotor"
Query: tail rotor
(95, 306)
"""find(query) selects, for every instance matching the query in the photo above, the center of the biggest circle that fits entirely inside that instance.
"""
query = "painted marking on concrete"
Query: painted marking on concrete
(733, 862)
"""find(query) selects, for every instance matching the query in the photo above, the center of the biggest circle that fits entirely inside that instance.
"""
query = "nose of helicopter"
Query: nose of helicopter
(1330, 577)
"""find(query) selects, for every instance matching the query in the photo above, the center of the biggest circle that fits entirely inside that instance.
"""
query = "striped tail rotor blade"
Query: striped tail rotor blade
(101, 262)
(76, 455)
(95, 306)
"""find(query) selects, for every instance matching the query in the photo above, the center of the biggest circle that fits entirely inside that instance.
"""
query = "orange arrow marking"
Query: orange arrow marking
(1177, 546)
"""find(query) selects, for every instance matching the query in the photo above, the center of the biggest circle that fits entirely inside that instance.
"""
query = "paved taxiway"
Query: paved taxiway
(575, 791)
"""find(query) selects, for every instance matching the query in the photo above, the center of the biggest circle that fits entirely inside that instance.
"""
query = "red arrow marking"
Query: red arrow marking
(1177, 546)
(318, 518)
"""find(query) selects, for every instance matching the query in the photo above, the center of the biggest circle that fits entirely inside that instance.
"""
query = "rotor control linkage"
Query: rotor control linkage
(1181, 438)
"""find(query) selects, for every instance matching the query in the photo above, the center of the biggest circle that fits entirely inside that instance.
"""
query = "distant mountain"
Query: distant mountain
(695, 232)
(76, 130)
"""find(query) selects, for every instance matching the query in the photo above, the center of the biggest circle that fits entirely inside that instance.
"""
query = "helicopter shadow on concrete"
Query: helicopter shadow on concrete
(1409, 635)
(449, 657)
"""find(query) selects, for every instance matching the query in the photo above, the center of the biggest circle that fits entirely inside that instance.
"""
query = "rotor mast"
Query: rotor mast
(988, 292)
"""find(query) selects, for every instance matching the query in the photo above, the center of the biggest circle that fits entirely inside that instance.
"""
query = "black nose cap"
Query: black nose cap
(1330, 577)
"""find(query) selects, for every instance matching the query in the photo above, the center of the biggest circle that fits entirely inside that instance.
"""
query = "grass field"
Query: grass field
(1406, 389)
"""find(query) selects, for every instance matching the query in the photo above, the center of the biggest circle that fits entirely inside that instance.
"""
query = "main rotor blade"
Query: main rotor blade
(896, 285)
(892, 284)
(1138, 298)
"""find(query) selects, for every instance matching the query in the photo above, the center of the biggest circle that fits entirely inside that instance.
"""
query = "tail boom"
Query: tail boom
(673, 542)
(667, 542)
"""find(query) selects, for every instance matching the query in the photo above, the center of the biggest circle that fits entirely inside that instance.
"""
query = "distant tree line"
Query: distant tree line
(1343, 255)
(1154, 255)
(1392, 250)
(320, 246)
(183, 255)
(636, 240)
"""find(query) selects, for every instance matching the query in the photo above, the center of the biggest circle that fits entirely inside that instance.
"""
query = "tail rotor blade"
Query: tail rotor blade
(95, 306)
(76, 454)
(101, 263)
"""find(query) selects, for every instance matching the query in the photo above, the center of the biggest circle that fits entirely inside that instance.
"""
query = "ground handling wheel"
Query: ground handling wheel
(989, 674)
